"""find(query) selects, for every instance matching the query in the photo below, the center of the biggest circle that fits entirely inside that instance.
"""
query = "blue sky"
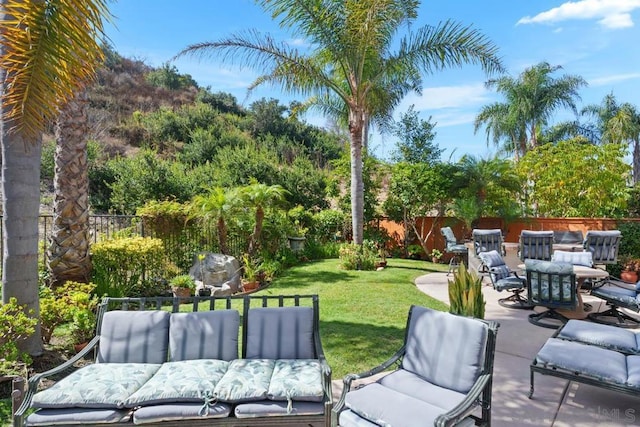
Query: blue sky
(596, 39)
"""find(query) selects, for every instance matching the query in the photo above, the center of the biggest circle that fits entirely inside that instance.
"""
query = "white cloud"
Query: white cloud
(615, 78)
(436, 98)
(611, 14)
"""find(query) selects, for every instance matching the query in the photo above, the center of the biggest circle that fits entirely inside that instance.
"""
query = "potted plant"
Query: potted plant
(382, 254)
(83, 327)
(435, 255)
(182, 286)
(630, 269)
(250, 272)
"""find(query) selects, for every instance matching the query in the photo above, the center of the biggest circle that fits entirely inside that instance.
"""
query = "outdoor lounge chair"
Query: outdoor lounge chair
(444, 376)
(459, 250)
(504, 279)
(485, 241)
(535, 245)
(603, 245)
(551, 285)
(617, 295)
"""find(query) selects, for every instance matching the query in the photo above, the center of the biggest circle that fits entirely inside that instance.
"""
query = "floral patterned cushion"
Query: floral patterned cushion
(245, 380)
(183, 381)
(296, 379)
(101, 385)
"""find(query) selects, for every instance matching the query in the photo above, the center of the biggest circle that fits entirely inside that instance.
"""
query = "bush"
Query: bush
(465, 294)
(328, 225)
(72, 302)
(127, 266)
(15, 325)
(358, 257)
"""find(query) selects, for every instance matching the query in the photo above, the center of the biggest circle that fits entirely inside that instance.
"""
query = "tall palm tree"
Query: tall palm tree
(259, 197)
(49, 49)
(352, 57)
(531, 100)
(624, 126)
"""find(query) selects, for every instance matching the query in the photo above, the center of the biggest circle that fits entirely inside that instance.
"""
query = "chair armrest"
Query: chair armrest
(349, 378)
(468, 404)
(34, 381)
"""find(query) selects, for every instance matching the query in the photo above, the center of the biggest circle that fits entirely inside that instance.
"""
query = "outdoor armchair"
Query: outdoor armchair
(504, 279)
(617, 295)
(443, 378)
(485, 241)
(452, 246)
(603, 245)
(551, 285)
(535, 245)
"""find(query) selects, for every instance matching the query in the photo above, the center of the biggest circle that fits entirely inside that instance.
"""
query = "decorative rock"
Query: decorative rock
(215, 271)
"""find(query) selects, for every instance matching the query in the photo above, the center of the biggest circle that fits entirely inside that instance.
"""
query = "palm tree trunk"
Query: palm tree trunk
(222, 235)
(257, 231)
(69, 250)
(357, 185)
(636, 162)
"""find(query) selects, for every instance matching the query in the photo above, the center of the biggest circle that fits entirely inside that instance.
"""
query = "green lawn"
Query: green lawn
(362, 313)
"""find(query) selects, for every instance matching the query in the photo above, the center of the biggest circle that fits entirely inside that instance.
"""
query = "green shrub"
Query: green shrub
(183, 281)
(328, 225)
(123, 267)
(72, 302)
(15, 325)
(358, 257)
(465, 294)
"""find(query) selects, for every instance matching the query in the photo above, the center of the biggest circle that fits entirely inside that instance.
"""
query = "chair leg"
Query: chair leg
(614, 317)
(454, 263)
(516, 301)
(556, 318)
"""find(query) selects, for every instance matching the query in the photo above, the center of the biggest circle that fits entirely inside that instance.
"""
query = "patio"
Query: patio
(556, 402)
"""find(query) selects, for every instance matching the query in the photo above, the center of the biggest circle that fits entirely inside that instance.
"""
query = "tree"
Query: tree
(218, 204)
(49, 49)
(416, 139)
(531, 100)
(260, 197)
(352, 59)
(576, 178)
(624, 127)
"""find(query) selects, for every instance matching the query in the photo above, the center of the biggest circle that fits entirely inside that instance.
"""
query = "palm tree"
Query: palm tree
(352, 59)
(531, 100)
(49, 49)
(259, 197)
(217, 204)
(68, 255)
(624, 126)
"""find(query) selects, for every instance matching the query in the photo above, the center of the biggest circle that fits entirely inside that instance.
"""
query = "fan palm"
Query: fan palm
(49, 48)
(351, 59)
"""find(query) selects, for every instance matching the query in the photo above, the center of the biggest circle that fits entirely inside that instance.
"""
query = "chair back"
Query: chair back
(448, 350)
(487, 240)
(449, 237)
(603, 245)
(551, 284)
(204, 335)
(584, 259)
(568, 237)
(498, 269)
(535, 245)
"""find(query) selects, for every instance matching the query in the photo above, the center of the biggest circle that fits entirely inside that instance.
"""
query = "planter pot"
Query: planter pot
(381, 264)
(435, 260)
(78, 347)
(204, 292)
(629, 276)
(181, 293)
(296, 243)
(250, 286)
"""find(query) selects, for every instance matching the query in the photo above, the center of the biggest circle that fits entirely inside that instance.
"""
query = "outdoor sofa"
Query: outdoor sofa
(591, 353)
(443, 377)
(157, 366)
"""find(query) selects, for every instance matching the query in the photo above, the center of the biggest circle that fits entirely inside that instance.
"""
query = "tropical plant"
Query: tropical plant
(352, 62)
(260, 197)
(624, 127)
(41, 42)
(358, 257)
(183, 281)
(219, 205)
(465, 293)
(531, 99)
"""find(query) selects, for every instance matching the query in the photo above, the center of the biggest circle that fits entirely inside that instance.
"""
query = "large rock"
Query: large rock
(218, 272)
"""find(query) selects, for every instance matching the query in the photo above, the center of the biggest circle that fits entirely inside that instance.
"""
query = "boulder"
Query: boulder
(216, 271)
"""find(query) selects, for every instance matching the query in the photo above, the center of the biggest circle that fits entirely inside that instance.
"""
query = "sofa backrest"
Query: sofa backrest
(280, 333)
(134, 337)
(204, 335)
(445, 349)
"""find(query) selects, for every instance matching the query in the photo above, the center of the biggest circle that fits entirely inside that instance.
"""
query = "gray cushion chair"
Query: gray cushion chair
(603, 245)
(551, 285)
(443, 376)
(617, 295)
(485, 240)
(568, 237)
(452, 246)
(535, 245)
(504, 279)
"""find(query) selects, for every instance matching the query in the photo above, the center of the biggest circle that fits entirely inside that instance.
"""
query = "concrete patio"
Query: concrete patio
(556, 402)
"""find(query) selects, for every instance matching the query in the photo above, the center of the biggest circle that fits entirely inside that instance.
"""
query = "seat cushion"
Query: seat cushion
(611, 337)
(101, 385)
(445, 349)
(70, 416)
(134, 337)
(280, 333)
(348, 418)
(411, 384)
(573, 258)
(245, 380)
(509, 283)
(624, 297)
(296, 379)
(269, 408)
(179, 412)
(588, 360)
(204, 335)
(184, 381)
(387, 407)
(633, 368)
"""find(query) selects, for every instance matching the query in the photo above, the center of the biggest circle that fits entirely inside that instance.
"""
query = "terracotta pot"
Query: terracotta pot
(78, 347)
(250, 286)
(182, 293)
(629, 276)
